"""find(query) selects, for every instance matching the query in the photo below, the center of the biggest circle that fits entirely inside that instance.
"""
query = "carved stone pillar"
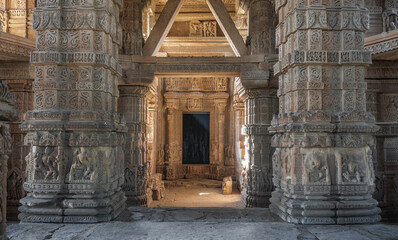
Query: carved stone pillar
(76, 137)
(133, 105)
(322, 165)
(220, 113)
(390, 15)
(261, 23)
(3, 16)
(17, 21)
(375, 17)
(7, 114)
(382, 100)
(131, 20)
(173, 150)
(260, 105)
(22, 90)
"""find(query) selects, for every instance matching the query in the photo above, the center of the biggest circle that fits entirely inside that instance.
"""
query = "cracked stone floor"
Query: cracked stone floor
(185, 214)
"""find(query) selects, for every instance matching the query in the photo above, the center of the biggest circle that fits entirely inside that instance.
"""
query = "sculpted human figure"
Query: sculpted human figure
(317, 172)
(50, 161)
(82, 162)
(351, 171)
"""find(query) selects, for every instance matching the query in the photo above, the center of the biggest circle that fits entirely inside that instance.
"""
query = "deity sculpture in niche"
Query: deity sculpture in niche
(14, 185)
(46, 161)
(316, 167)
(352, 171)
(82, 168)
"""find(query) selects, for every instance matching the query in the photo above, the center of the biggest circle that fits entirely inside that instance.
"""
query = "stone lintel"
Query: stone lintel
(383, 46)
(13, 47)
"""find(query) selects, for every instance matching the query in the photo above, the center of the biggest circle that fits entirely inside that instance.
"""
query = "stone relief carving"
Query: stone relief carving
(318, 153)
(47, 163)
(196, 84)
(316, 169)
(82, 167)
(390, 20)
(203, 29)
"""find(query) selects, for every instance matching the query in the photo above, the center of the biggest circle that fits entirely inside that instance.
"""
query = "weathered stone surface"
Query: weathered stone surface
(7, 113)
(204, 223)
(323, 163)
(325, 151)
(158, 189)
(76, 137)
(227, 186)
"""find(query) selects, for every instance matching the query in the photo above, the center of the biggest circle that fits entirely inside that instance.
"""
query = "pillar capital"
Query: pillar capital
(133, 90)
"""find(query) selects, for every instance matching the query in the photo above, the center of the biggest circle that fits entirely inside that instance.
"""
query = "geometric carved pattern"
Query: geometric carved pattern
(322, 119)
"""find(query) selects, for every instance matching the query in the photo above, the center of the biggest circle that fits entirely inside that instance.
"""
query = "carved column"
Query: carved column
(22, 90)
(7, 114)
(131, 20)
(260, 103)
(133, 105)
(76, 137)
(3, 16)
(261, 23)
(259, 106)
(220, 113)
(323, 169)
(390, 15)
(173, 150)
(375, 17)
(382, 101)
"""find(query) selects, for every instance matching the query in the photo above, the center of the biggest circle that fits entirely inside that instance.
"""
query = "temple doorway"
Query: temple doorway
(196, 137)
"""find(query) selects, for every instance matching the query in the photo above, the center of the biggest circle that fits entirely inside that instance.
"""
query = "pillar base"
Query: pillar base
(255, 201)
(58, 209)
(142, 200)
(300, 209)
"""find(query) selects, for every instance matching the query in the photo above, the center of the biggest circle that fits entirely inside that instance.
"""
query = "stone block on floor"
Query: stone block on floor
(227, 186)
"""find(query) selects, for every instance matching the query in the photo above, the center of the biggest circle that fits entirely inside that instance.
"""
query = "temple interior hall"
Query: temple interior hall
(198, 119)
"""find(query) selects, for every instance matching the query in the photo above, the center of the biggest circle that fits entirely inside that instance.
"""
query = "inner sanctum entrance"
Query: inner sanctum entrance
(196, 148)
(195, 139)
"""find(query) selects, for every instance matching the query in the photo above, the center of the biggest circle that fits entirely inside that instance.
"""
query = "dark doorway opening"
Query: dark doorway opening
(196, 138)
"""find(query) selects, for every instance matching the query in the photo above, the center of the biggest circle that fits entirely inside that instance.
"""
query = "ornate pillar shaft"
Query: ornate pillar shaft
(261, 22)
(76, 137)
(382, 101)
(322, 164)
(7, 114)
(133, 105)
(173, 149)
(221, 131)
(22, 90)
(131, 19)
(260, 106)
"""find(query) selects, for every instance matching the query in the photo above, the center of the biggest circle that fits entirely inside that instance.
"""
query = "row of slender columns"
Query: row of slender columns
(76, 137)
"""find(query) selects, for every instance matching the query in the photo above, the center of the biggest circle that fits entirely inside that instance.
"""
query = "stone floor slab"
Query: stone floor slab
(199, 223)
